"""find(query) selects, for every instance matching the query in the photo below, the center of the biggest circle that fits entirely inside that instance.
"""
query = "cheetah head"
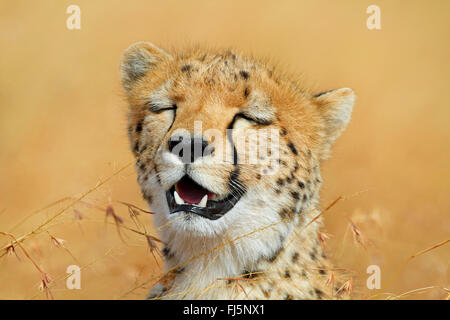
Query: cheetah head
(189, 110)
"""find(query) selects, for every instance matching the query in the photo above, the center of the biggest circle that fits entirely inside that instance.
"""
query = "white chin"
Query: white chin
(194, 226)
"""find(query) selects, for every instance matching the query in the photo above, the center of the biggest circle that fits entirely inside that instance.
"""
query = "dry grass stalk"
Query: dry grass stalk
(45, 224)
(358, 236)
(323, 237)
(45, 278)
(347, 287)
(415, 255)
(330, 283)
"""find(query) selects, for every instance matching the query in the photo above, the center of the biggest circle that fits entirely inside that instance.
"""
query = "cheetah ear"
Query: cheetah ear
(137, 60)
(336, 108)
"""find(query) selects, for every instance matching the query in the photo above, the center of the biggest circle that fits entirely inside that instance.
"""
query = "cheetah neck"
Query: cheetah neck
(210, 268)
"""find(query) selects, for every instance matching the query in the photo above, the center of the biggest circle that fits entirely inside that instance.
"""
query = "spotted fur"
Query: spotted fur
(267, 238)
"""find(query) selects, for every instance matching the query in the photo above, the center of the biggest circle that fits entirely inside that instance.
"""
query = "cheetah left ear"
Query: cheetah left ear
(336, 109)
(139, 59)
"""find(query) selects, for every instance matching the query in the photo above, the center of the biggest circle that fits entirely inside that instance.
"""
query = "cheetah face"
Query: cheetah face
(214, 134)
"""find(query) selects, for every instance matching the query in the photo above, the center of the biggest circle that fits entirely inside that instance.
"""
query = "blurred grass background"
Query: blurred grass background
(62, 129)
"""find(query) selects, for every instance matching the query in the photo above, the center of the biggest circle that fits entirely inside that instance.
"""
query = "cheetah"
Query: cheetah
(231, 229)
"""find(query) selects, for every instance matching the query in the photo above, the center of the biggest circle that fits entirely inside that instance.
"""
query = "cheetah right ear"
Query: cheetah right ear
(137, 60)
(336, 107)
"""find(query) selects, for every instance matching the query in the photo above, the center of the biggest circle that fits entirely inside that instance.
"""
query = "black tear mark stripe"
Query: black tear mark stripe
(230, 139)
(174, 116)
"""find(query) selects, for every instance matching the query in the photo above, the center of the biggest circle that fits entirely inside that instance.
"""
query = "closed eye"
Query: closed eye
(158, 109)
(252, 119)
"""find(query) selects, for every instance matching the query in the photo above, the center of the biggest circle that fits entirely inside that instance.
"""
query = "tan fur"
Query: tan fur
(213, 86)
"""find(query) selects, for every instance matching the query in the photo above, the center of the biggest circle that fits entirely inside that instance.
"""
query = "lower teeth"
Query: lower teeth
(179, 200)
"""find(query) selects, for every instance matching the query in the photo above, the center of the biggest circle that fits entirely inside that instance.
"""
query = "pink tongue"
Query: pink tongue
(190, 191)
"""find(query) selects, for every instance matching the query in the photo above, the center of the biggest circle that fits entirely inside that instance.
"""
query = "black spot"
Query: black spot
(295, 257)
(318, 292)
(295, 195)
(258, 176)
(305, 197)
(312, 254)
(143, 149)
(186, 68)
(244, 74)
(136, 147)
(283, 163)
(278, 191)
(142, 166)
(250, 274)
(287, 297)
(287, 274)
(283, 131)
(304, 274)
(166, 252)
(246, 92)
(147, 197)
(139, 127)
(284, 213)
(275, 255)
(280, 182)
(301, 185)
(155, 169)
(292, 147)
(321, 271)
(289, 179)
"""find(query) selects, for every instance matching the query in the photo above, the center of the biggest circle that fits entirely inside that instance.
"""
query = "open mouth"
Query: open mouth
(188, 196)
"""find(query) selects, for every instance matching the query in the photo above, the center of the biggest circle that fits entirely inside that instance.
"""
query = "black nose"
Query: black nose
(189, 149)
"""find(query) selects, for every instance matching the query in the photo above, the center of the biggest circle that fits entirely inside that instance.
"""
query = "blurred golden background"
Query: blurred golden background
(63, 130)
